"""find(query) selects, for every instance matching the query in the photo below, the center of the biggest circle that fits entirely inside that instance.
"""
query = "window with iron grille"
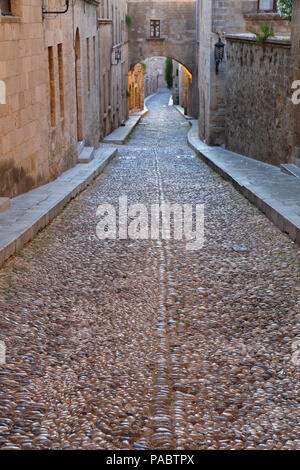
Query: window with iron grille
(155, 28)
(5, 7)
(269, 6)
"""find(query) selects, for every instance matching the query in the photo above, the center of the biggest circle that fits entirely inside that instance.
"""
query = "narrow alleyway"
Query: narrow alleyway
(142, 344)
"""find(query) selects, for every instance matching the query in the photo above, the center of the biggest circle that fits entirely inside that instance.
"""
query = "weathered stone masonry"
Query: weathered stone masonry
(258, 104)
(62, 86)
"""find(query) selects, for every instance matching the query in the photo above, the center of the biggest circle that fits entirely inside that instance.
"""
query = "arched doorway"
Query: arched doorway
(78, 86)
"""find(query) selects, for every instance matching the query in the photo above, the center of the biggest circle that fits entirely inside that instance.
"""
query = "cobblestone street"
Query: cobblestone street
(142, 344)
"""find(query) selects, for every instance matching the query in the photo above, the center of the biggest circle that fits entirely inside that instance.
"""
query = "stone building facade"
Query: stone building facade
(24, 127)
(68, 79)
(295, 114)
(165, 28)
(136, 91)
(65, 77)
(71, 45)
(226, 17)
(258, 105)
(113, 58)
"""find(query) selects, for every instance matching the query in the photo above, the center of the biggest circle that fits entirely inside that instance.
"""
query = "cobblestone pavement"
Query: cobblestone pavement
(143, 344)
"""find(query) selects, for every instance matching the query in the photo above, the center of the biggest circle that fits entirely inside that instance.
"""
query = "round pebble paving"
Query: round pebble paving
(142, 344)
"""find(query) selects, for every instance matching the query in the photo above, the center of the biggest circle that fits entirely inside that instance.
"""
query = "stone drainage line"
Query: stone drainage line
(168, 410)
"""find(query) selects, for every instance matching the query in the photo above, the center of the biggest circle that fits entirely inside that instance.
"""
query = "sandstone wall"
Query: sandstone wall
(24, 117)
(222, 16)
(76, 33)
(258, 105)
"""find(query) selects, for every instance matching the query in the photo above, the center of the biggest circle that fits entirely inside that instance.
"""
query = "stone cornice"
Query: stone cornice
(250, 38)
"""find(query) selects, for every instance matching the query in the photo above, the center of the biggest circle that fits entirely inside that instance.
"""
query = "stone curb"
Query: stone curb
(120, 136)
(32, 211)
(278, 211)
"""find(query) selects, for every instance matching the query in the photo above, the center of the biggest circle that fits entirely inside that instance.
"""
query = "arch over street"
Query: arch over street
(164, 28)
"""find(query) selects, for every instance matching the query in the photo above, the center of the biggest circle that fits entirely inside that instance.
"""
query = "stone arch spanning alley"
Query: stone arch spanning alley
(176, 37)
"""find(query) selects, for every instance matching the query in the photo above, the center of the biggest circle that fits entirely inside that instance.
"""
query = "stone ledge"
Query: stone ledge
(264, 16)
(10, 19)
(251, 38)
(276, 194)
(32, 211)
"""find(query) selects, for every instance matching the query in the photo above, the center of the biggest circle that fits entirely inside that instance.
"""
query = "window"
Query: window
(61, 79)
(155, 28)
(5, 7)
(267, 6)
(52, 85)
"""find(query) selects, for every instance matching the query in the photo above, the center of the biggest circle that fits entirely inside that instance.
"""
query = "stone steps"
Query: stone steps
(290, 169)
(86, 155)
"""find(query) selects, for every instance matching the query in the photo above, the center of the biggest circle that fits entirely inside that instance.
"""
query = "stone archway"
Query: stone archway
(167, 29)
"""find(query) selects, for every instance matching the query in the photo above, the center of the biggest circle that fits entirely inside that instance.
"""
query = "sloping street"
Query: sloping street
(141, 344)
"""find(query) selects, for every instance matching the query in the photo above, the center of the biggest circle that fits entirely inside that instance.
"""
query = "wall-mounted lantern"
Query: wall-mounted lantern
(118, 56)
(219, 53)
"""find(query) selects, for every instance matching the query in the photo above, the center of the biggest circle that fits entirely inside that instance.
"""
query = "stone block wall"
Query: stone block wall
(62, 84)
(258, 105)
(296, 76)
(136, 84)
(215, 16)
(24, 117)
(154, 77)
